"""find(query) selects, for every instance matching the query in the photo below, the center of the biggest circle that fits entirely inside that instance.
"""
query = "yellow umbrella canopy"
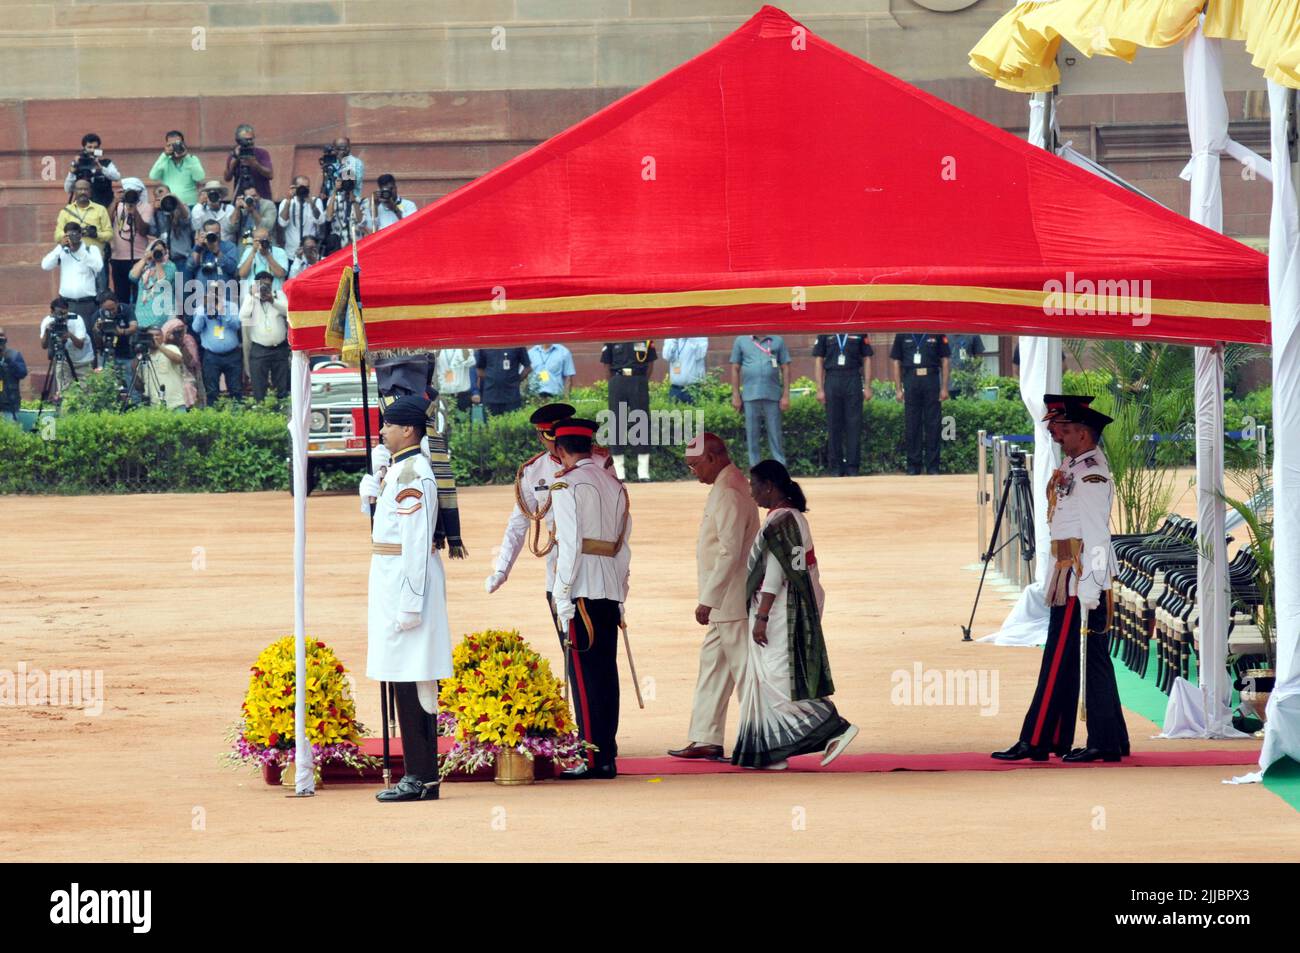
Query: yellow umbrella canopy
(1019, 51)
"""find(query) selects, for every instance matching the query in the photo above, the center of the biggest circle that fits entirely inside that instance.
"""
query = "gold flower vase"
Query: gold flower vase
(513, 767)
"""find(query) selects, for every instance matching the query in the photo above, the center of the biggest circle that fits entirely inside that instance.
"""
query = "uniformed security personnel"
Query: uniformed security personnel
(592, 530)
(1079, 497)
(629, 390)
(921, 365)
(409, 639)
(967, 355)
(531, 523)
(839, 376)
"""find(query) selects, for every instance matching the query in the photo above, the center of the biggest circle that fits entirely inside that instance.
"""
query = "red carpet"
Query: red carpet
(962, 761)
(854, 763)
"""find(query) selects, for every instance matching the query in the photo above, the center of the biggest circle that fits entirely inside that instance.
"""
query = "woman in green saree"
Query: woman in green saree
(785, 708)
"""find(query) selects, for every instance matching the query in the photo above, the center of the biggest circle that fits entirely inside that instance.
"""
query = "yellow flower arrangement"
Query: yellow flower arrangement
(502, 694)
(265, 735)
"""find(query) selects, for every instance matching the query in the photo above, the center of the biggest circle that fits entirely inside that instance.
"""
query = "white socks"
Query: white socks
(428, 692)
(618, 466)
(643, 466)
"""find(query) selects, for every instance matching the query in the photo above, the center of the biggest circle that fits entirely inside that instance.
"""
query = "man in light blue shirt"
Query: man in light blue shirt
(217, 324)
(553, 371)
(759, 372)
(685, 359)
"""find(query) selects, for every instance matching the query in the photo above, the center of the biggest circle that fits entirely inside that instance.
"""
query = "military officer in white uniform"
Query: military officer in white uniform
(592, 529)
(531, 522)
(1079, 593)
(409, 637)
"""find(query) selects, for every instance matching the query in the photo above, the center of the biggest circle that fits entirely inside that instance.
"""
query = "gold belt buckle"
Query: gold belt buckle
(922, 371)
(627, 372)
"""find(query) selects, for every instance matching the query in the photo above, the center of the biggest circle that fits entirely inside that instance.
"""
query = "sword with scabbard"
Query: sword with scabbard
(631, 664)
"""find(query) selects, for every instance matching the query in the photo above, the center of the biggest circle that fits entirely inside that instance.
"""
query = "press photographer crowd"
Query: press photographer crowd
(176, 288)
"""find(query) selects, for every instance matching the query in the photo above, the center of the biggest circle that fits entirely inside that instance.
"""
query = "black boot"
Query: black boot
(410, 788)
(1086, 755)
(1020, 751)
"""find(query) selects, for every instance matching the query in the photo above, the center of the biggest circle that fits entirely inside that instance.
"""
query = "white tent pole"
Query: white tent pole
(1207, 127)
(1040, 373)
(1282, 731)
(299, 426)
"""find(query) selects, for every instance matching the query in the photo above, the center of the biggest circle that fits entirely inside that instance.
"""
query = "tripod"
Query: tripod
(143, 373)
(58, 353)
(1017, 482)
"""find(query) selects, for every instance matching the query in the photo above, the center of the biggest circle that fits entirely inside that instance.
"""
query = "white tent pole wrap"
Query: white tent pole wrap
(304, 781)
(1282, 730)
(1207, 713)
(1040, 373)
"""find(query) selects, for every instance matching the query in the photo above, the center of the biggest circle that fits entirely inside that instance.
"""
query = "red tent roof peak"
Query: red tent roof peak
(776, 181)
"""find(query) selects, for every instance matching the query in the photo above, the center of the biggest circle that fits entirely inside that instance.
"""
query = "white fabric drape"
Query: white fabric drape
(1040, 373)
(299, 426)
(1207, 125)
(1282, 730)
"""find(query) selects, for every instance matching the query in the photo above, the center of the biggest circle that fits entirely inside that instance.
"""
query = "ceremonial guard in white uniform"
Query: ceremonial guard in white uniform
(1079, 494)
(531, 523)
(592, 529)
(409, 637)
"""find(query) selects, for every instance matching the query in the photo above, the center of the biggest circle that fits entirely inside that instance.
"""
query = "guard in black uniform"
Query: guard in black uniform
(921, 364)
(1079, 497)
(629, 390)
(839, 376)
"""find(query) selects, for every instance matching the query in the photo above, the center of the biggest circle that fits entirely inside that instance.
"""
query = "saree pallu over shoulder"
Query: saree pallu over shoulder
(810, 670)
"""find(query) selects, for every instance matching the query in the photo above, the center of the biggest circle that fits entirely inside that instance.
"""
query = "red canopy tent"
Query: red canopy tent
(777, 182)
(773, 182)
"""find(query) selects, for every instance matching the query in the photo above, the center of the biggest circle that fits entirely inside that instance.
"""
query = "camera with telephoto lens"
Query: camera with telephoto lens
(4, 344)
(105, 323)
(131, 196)
(346, 181)
(54, 338)
(169, 203)
(1017, 458)
(178, 148)
(91, 232)
(329, 156)
(84, 166)
(142, 344)
(244, 148)
(158, 253)
(385, 194)
(302, 192)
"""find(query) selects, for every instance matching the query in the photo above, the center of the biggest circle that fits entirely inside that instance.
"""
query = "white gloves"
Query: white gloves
(494, 581)
(406, 621)
(1091, 604)
(380, 457)
(564, 612)
(368, 490)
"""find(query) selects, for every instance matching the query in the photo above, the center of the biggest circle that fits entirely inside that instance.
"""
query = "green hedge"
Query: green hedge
(245, 446)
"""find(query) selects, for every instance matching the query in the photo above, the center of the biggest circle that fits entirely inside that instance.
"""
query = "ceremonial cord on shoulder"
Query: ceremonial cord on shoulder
(537, 518)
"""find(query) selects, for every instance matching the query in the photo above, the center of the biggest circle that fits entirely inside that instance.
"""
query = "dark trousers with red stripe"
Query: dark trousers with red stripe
(593, 677)
(1051, 718)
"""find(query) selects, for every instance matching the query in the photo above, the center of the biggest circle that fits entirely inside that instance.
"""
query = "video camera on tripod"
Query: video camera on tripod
(1017, 489)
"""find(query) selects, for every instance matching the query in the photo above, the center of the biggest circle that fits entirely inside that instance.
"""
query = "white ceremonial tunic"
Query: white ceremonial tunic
(1084, 492)
(405, 514)
(535, 488)
(589, 504)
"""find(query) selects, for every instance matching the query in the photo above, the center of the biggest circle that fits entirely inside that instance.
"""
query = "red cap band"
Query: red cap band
(572, 431)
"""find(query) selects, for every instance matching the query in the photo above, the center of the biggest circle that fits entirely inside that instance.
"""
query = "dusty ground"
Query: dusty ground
(117, 584)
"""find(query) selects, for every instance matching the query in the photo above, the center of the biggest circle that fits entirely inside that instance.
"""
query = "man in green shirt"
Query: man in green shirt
(179, 169)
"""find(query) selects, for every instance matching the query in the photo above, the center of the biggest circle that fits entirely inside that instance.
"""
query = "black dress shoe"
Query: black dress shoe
(1085, 755)
(410, 788)
(603, 772)
(1020, 751)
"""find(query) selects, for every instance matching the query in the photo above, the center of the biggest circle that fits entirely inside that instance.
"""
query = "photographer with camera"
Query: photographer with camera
(343, 211)
(131, 215)
(79, 266)
(337, 159)
(248, 165)
(155, 277)
(66, 340)
(171, 224)
(251, 212)
(214, 259)
(12, 370)
(216, 322)
(301, 216)
(116, 326)
(386, 207)
(162, 370)
(308, 255)
(178, 169)
(261, 256)
(264, 317)
(93, 219)
(212, 208)
(91, 165)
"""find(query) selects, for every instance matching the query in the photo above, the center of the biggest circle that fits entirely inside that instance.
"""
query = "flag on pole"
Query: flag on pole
(346, 330)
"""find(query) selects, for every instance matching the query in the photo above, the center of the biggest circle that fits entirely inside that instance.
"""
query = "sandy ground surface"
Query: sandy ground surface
(116, 584)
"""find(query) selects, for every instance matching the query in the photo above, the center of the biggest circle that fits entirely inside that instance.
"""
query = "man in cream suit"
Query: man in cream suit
(727, 531)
